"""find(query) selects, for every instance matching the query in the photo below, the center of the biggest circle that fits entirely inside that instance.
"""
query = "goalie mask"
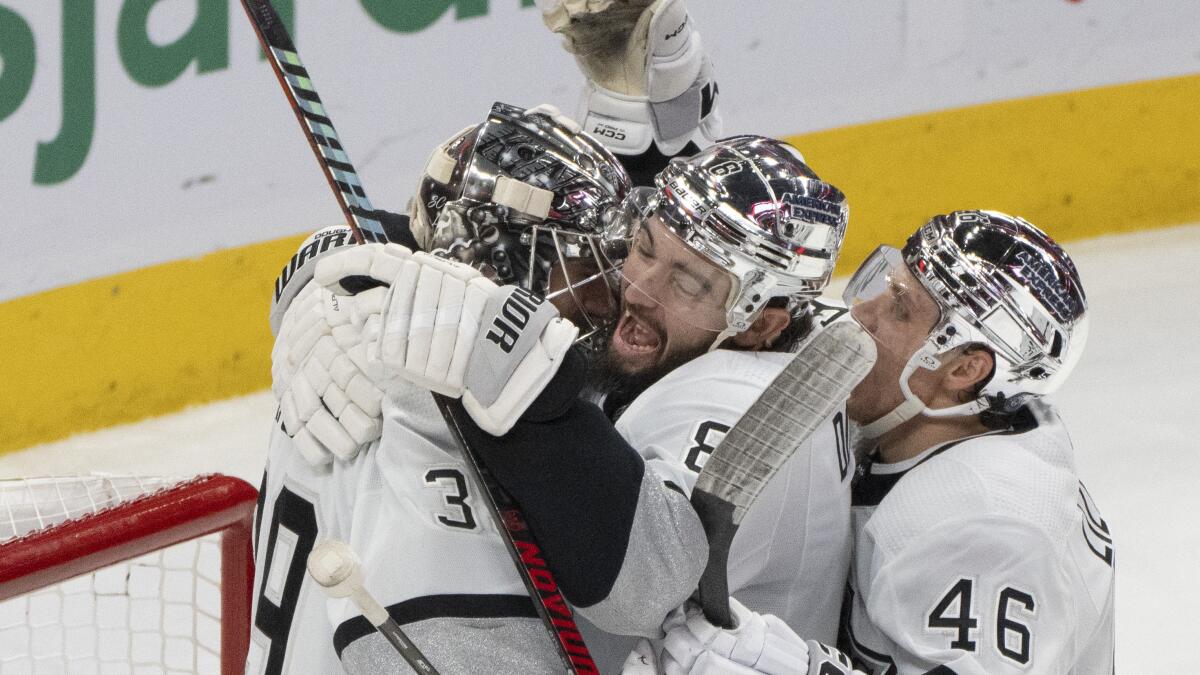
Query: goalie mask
(525, 197)
(747, 206)
(994, 280)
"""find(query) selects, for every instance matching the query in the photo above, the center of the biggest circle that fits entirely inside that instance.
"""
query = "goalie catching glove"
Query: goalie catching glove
(449, 329)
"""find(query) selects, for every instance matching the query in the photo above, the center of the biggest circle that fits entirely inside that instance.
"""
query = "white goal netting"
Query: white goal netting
(159, 612)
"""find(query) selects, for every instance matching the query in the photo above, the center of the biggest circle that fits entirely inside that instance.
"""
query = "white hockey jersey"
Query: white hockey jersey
(430, 552)
(987, 551)
(792, 551)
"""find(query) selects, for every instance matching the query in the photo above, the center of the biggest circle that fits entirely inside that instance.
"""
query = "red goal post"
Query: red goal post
(61, 528)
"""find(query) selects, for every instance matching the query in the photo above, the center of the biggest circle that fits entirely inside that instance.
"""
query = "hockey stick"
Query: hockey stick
(343, 179)
(310, 112)
(808, 390)
(335, 568)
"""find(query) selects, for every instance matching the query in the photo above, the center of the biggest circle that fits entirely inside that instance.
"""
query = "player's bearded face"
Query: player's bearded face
(672, 303)
(899, 319)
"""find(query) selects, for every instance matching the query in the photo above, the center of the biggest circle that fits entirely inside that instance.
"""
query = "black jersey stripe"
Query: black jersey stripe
(870, 488)
(466, 606)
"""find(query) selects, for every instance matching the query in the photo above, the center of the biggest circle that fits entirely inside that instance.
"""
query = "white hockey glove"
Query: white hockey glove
(648, 77)
(328, 403)
(758, 644)
(299, 270)
(450, 330)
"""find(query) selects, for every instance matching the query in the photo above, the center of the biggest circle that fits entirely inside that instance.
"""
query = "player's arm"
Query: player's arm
(650, 93)
(986, 591)
(612, 511)
(625, 546)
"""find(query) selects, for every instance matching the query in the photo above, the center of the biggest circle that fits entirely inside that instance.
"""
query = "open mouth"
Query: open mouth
(636, 337)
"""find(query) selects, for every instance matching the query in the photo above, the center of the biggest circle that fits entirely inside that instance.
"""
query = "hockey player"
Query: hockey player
(977, 549)
(403, 502)
(398, 495)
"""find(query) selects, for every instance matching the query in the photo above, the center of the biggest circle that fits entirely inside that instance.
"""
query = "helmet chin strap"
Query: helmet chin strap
(913, 405)
(910, 408)
(721, 337)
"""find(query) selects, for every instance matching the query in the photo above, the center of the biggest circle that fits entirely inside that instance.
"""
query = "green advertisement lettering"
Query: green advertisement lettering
(417, 15)
(206, 43)
(17, 57)
(59, 159)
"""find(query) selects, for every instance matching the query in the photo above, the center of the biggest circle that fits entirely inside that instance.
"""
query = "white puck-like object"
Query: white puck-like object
(336, 569)
(333, 565)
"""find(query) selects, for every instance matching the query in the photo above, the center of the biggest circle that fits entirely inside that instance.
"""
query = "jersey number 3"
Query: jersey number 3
(453, 485)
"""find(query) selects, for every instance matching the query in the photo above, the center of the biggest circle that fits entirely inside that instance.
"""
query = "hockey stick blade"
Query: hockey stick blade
(526, 555)
(800, 398)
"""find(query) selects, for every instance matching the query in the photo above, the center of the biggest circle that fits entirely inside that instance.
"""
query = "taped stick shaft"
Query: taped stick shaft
(311, 114)
(786, 414)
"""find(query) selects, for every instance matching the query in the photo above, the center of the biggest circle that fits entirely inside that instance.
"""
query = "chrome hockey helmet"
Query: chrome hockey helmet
(751, 206)
(997, 281)
(519, 195)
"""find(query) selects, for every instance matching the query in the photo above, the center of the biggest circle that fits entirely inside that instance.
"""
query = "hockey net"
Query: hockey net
(120, 574)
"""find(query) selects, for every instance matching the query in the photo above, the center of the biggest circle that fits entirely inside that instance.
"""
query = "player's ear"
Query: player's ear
(765, 330)
(973, 366)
